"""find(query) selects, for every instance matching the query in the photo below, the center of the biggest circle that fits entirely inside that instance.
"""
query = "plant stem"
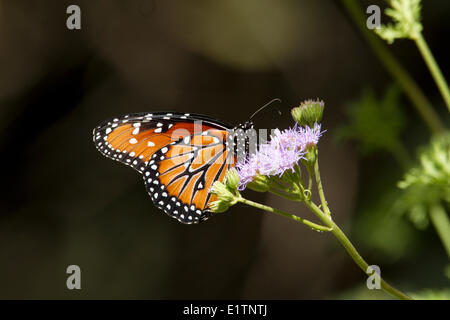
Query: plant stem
(410, 88)
(351, 250)
(289, 196)
(325, 216)
(310, 224)
(320, 187)
(441, 223)
(434, 68)
(310, 182)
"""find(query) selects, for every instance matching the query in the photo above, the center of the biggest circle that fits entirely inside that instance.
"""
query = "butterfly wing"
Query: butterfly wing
(132, 139)
(179, 177)
(180, 157)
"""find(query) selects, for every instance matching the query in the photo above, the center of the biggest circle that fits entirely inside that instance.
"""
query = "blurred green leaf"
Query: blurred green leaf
(447, 271)
(383, 231)
(376, 124)
(428, 183)
(432, 294)
(434, 168)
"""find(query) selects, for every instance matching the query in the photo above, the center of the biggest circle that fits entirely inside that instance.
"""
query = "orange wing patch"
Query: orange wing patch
(133, 143)
(203, 197)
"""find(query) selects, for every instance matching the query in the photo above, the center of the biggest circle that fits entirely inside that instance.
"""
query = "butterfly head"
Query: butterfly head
(245, 125)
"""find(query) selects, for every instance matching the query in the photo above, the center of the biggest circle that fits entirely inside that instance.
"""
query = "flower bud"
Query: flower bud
(222, 192)
(232, 180)
(310, 157)
(259, 183)
(308, 113)
(311, 153)
(218, 206)
(225, 198)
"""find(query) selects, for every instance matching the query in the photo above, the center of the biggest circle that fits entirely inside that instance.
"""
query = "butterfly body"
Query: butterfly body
(179, 155)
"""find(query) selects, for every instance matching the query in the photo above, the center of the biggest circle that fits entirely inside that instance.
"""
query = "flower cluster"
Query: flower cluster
(406, 17)
(285, 149)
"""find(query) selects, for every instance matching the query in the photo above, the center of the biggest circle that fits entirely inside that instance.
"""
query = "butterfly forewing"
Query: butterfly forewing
(133, 139)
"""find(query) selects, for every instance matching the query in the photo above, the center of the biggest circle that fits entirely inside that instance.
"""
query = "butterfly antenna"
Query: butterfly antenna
(265, 106)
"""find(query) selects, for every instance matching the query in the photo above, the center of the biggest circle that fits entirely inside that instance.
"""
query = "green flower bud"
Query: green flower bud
(225, 197)
(259, 183)
(308, 113)
(232, 180)
(311, 158)
(222, 192)
(218, 206)
(311, 153)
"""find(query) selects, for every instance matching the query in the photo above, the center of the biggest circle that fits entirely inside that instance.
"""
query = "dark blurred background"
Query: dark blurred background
(62, 203)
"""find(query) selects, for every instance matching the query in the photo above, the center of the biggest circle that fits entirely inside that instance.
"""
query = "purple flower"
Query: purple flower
(288, 139)
(246, 171)
(309, 136)
(282, 153)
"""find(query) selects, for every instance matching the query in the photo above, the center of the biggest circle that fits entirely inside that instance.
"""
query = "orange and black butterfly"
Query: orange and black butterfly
(179, 155)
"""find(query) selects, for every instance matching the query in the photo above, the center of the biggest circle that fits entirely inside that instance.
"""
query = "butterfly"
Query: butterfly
(180, 156)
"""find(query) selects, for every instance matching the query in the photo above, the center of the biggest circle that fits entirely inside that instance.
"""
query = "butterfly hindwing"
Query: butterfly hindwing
(179, 177)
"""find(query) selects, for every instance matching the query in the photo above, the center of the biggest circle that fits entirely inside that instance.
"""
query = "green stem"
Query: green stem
(289, 196)
(434, 68)
(351, 250)
(323, 201)
(410, 88)
(298, 182)
(310, 181)
(310, 224)
(325, 216)
(441, 223)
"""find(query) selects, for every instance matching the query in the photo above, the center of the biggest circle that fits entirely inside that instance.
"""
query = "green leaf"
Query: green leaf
(428, 183)
(432, 294)
(376, 124)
